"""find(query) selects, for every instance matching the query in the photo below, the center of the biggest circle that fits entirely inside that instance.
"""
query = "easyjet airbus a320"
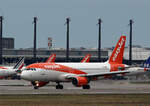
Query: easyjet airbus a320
(80, 74)
(51, 59)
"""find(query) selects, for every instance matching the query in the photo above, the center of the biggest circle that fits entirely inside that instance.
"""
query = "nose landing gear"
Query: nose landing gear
(86, 86)
(59, 86)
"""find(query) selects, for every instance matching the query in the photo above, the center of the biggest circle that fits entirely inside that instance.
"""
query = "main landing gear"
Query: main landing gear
(59, 86)
(86, 86)
(36, 87)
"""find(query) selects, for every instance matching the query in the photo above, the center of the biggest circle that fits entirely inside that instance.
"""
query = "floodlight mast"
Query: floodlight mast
(67, 40)
(1, 39)
(99, 40)
(130, 45)
(34, 49)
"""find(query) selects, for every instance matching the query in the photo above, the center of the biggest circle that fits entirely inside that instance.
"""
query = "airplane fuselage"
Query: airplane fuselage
(58, 72)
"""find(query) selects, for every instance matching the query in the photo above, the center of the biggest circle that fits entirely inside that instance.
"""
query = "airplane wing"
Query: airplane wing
(51, 58)
(130, 71)
(104, 74)
(98, 74)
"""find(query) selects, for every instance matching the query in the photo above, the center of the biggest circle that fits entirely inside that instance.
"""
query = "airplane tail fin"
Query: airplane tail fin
(51, 58)
(86, 58)
(147, 64)
(117, 54)
(19, 64)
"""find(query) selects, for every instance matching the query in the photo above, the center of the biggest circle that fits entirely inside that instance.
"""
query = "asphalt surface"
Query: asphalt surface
(97, 87)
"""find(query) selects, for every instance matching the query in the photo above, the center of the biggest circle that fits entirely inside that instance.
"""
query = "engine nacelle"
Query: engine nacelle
(39, 83)
(79, 81)
(117, 67)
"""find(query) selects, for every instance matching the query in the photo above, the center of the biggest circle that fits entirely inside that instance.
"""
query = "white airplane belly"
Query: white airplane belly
(44, 75)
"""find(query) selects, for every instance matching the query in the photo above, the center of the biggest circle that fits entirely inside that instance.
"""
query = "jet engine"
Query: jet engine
(79, 81)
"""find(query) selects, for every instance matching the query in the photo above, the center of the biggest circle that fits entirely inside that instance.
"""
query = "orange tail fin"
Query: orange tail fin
(117, 54)
(51, 58)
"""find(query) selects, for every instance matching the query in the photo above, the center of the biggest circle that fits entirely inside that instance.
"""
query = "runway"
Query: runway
(97, 87)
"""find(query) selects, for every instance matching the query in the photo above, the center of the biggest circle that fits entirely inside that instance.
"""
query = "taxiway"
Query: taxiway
(97, 87)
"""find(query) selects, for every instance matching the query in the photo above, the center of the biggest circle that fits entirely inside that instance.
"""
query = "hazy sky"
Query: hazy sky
(84, 14)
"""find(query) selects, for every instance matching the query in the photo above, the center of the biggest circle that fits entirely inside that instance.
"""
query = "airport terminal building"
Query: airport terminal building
(11, 55)
(139, 54)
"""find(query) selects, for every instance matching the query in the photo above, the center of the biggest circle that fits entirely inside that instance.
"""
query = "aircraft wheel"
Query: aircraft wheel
(86, 86)
(36, 87)
(59, 86)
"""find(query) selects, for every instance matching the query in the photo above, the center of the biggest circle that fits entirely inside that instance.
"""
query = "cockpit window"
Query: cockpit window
(31, 69)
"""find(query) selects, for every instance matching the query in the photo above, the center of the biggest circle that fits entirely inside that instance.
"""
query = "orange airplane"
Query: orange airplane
(80, 74)
(51, 59)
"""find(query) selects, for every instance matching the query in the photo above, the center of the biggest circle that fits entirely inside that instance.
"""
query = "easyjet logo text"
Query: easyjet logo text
(52, 66)
(118, 49)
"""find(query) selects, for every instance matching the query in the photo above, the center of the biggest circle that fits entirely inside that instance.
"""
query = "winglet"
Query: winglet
(19, 64)
(86, 58)
(51, 58)
(117, 54)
